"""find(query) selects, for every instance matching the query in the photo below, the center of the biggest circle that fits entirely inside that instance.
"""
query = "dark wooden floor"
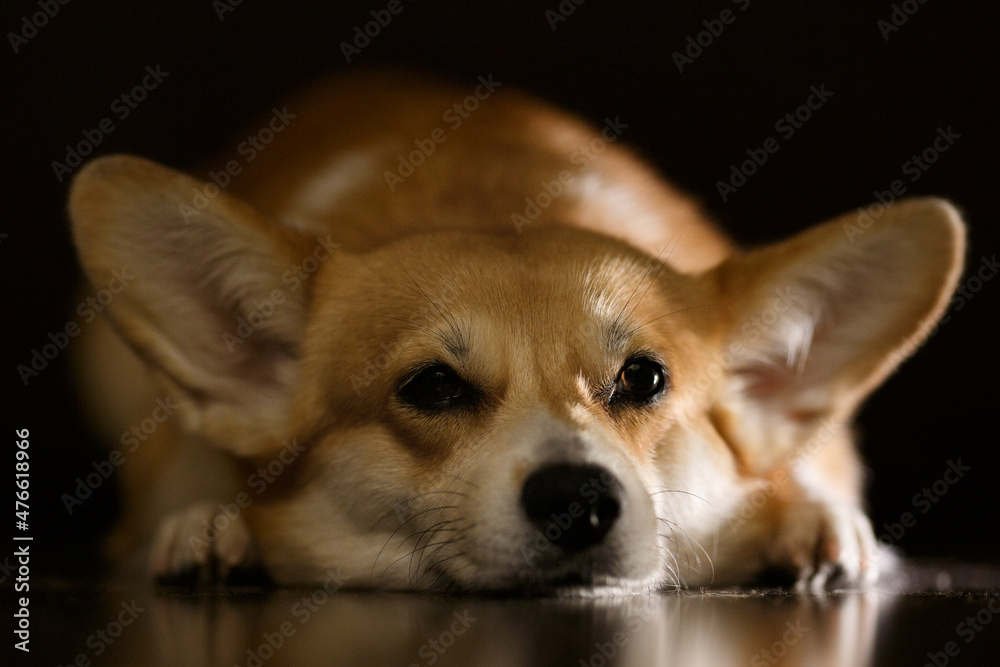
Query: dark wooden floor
(935, 610)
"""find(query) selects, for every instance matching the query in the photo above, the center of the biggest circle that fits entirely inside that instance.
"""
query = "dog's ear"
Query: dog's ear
(818, 321)
(204, 304)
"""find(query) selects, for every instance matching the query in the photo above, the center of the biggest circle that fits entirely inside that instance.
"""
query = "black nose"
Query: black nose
(573, 505)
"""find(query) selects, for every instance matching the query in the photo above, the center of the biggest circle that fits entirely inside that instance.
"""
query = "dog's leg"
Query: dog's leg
(798, 523)
(203, 540)
(821, 540)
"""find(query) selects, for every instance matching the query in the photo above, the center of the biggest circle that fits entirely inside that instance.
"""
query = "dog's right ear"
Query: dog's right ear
(203, 303)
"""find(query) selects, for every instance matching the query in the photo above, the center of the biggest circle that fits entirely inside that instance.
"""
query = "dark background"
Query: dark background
(890, 97)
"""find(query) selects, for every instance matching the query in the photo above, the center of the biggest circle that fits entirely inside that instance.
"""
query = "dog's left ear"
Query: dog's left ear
(819, 321)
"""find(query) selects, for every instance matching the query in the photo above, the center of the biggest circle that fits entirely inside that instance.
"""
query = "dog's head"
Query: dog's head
(492, 411)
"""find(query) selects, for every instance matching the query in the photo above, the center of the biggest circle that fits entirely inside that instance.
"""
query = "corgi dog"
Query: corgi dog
(428, 337)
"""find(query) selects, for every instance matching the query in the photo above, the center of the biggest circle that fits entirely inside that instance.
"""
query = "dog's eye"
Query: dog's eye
(436, 386)
(641, 379)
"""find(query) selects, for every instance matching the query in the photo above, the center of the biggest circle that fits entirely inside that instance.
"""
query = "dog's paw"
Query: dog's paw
(203, 543)
(823, 542)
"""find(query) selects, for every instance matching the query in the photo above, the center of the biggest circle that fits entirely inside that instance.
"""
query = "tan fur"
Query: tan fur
(769, 352)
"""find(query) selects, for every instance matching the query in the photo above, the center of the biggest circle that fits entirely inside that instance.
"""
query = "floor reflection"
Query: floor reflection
(934, 615)
(305, 627)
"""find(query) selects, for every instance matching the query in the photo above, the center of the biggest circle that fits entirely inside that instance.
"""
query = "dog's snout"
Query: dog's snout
(574, 506)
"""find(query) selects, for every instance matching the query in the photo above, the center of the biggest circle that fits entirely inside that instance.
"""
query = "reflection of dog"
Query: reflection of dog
(428, 393)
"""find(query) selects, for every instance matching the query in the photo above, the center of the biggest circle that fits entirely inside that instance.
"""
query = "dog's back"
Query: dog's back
(481, 157)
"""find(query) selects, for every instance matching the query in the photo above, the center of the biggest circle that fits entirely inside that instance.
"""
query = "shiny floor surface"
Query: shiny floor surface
(938, 615)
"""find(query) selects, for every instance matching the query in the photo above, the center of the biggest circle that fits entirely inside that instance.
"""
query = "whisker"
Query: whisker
(659, 269)
(418, 325)
(677, 568)
(415, 550)
(687, 493)
(463, 481)
(437, 564)
(415, 284)
(673, 312)
(407, 501)
(441, 574)
(696, 543)
(421, 533)
(444, 315)
(680, 547)
(431, 533)
(410, 554)
(400, 527)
